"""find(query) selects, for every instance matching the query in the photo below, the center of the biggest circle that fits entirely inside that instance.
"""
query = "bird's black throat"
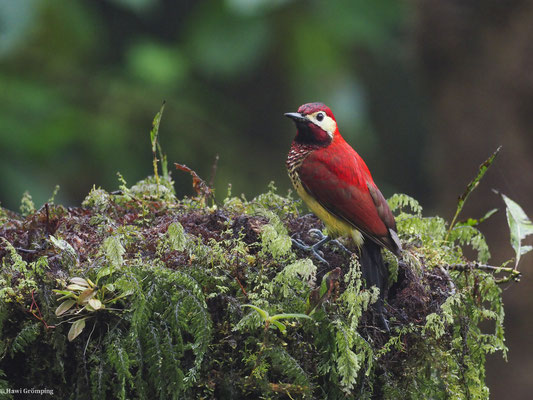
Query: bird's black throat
(311, 134)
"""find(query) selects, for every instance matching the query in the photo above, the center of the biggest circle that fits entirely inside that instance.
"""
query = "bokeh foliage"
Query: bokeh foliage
(81, 78)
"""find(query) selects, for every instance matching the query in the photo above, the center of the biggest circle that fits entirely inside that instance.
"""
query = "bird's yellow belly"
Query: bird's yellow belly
(335, 226)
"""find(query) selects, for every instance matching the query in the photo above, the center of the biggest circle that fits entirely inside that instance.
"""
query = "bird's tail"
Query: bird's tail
(375, 273)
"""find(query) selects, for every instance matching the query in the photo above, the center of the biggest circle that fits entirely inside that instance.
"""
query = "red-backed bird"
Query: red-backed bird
(334, 181)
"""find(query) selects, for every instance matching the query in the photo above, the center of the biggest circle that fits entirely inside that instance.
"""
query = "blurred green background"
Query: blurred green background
(424, 90)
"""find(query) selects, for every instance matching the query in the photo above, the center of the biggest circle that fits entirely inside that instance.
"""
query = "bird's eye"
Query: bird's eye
(320, 116)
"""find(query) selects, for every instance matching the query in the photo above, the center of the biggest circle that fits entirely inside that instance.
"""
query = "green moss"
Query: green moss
(172, 277)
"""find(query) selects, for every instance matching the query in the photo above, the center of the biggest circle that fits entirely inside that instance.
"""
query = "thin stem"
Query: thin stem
(512, 274)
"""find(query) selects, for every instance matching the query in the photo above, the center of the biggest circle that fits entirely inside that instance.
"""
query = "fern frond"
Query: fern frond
(26, 336)
(288, 366)
(469, 235)
(399, 201)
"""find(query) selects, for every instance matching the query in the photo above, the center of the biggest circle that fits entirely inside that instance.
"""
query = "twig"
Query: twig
(242, 287)
(201, 188)
(470, 188)
(512, 273)
(28, 251)
(37, 312)
(89, 339)
(48, 229)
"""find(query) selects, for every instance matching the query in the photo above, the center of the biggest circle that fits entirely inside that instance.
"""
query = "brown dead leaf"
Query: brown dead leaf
(201, 188)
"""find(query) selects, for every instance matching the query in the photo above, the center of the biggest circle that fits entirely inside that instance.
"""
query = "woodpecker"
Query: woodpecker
(335, 183)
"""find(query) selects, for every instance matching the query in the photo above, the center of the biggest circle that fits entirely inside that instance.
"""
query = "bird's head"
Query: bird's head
(315, 124)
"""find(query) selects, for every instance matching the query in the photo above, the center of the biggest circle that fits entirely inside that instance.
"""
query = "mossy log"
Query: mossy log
(139, 295)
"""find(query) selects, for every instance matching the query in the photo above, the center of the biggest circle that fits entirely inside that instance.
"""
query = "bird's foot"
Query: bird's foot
(341, 246)
(322, 239)
(314, 249)
(319, 235)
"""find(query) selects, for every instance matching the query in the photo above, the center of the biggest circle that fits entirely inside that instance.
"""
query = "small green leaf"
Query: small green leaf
(79, 281)
(95, 304)
(476, 222)
(113, 250)
(126, 293)
(102, 272)
(155, 127)
(324, 285)
(76, 287)
(76, 328)
(176, 236)
(65, 293)
(71, 296)
(64, 307)
(288, 316)
(280, 326)
(488, 215)
(525, 249)
(520, 227)
(68, 251)
(264, 314)
(86, 295)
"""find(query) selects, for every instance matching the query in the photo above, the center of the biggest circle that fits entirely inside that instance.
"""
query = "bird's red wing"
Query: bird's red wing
(344, 187)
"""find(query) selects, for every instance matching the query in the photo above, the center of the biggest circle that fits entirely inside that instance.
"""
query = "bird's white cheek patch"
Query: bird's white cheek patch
(328, 124)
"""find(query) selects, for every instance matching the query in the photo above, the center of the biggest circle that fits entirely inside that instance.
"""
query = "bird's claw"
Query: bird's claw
(317, 233)
(313, 249)
(319, 258)
(322, 239)
(341, 246)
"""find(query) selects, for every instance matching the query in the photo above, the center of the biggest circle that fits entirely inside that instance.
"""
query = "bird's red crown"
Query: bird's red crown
(311, 108)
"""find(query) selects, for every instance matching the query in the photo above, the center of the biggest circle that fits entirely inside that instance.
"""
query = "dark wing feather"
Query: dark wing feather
(384, 212)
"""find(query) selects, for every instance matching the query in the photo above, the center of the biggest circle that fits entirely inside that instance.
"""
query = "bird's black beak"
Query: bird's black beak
(296, 117)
